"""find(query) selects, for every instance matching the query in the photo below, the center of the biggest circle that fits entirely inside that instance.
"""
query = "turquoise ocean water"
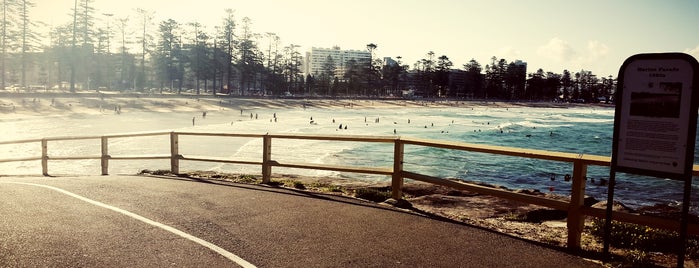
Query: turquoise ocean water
(578, 130)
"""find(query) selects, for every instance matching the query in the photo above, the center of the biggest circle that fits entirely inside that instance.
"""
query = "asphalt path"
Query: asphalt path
(137, 221)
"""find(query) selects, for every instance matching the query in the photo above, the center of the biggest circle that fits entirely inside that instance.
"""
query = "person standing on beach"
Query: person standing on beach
(193, 120)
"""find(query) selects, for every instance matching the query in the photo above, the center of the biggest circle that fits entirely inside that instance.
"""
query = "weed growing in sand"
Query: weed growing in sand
(291, 183)
(334, 189)
(298, 185)
(539, 215)
(158, 172)
(247, 179)
(372, 194)
(326, 187)
(637, 258)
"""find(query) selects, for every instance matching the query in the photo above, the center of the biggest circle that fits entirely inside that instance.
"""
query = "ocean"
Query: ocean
(580, 130)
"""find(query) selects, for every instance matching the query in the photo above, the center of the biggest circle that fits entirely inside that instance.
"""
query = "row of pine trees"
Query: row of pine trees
(96, 50)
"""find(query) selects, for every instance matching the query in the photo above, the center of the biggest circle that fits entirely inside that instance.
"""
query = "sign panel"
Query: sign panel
(656, 115)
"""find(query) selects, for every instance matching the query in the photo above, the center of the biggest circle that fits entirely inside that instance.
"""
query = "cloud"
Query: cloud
(561, 54)
(508, 53)
(597, 50)
(557, 50)
(693, 51)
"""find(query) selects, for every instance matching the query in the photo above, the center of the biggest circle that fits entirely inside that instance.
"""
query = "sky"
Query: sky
(592, 35)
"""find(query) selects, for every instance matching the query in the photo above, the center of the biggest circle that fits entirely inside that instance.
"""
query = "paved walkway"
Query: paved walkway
(133, 221)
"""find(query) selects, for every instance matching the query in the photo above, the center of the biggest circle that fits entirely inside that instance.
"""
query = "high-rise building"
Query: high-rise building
(388, 61)
(521, 65)
(319, 56)
(519, 79)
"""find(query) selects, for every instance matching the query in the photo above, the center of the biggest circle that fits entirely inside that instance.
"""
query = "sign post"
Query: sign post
(655, 125)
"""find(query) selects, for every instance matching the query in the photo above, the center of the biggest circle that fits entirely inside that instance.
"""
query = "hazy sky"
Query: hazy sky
(595, 35)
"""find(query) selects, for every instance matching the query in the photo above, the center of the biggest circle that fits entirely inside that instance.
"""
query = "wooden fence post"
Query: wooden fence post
(105, 156)
(174, 153)
(266, 159)
(44, 157)
(576, 220)
(397, 176)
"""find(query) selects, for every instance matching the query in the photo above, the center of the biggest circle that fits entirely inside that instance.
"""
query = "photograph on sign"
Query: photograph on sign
(655, 112)
(664, 104)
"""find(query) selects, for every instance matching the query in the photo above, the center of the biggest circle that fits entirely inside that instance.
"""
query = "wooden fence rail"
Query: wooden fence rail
(575, 207)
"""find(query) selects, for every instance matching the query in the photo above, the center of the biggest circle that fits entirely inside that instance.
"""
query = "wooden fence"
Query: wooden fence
(575, 207)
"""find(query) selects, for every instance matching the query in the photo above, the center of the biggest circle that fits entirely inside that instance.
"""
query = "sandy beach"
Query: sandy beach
(37, 104)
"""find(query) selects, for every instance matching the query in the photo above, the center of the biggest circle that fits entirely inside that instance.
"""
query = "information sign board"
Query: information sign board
(656, 115)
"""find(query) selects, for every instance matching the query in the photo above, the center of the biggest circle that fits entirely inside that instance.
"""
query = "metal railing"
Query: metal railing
(575, 207)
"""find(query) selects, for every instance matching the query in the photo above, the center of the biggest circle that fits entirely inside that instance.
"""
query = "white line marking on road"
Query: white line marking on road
(240, 261)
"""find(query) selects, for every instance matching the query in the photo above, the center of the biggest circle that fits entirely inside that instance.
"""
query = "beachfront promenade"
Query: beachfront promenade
(139, 221)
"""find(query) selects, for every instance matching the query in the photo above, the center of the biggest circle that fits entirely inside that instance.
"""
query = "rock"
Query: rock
(590, 201)
(402, 203)
(666, 211)
(529, 192)
(541, 215)
(617, 206)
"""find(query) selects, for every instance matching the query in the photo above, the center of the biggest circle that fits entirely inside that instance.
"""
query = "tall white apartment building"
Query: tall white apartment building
(318, 56)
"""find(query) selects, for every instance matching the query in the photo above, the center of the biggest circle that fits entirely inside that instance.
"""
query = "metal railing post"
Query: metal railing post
(44, 157)
(105, 156)
(266, 159)
(576, 220)
(397, 177)
(174, 153)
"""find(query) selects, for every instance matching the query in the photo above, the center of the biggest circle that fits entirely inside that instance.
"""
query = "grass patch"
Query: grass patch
(637, 258)
(642, 239)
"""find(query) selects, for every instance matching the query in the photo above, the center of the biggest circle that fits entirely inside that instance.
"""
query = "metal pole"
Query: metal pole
(684, 221)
